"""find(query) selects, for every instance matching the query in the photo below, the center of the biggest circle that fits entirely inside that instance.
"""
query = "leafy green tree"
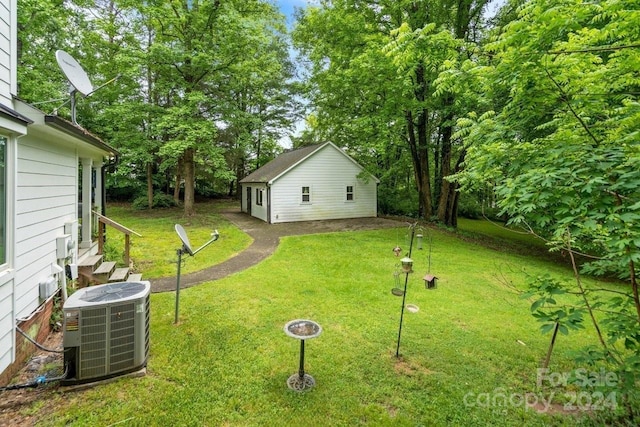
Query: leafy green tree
(562, 148)
(391, 74)
(174, 73)
(44, 27)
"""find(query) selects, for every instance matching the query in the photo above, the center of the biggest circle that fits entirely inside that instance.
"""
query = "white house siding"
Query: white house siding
(8, 128)
(7, 60)
(327, 172)
(46, 184)
(6, 320)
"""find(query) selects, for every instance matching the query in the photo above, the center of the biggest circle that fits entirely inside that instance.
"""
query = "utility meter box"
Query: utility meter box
(64, 246)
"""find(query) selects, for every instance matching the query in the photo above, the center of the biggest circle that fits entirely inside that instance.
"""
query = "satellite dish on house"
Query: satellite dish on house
(74, 72)
(77, 77)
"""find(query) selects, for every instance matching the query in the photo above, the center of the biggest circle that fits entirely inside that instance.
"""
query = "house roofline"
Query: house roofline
(270, 178)
(311, 153)
(69, 128)
(14, 116)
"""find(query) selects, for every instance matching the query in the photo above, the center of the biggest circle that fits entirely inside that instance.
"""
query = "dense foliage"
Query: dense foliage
(387, 80)
(561, 151)
(202, 93)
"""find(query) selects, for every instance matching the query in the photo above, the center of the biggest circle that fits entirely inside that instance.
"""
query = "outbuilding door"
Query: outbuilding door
(249, 200)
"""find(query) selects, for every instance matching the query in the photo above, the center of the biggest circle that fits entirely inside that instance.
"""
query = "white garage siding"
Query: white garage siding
(327, 173)
(259, 201)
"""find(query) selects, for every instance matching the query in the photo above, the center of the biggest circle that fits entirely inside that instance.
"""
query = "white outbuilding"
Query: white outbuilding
(315, 182)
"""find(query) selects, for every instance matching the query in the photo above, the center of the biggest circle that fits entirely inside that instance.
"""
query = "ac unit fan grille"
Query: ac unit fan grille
(122, 337)
(93, 350)
(96, 359)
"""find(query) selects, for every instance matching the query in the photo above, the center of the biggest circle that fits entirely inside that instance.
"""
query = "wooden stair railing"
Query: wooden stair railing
(104, 221)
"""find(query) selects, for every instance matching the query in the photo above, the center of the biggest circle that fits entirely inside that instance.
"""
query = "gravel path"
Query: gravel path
(266, 238)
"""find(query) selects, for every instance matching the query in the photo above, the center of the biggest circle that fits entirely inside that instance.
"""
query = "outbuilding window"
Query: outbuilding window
(306, 194)
(349, 195)
(259, 196)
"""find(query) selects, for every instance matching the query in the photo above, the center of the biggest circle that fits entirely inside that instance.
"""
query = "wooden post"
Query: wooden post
(101, 227)
(126, 249)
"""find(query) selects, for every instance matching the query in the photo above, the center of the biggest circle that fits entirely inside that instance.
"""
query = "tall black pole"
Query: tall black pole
(404, 294)
(178, 285)
(301, 368)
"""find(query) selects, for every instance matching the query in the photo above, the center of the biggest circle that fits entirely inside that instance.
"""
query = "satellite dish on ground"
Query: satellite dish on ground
(185, 240)
(74, 72)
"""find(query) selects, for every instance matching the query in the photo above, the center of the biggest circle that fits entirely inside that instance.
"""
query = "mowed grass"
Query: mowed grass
(228, 359)
(155, 253)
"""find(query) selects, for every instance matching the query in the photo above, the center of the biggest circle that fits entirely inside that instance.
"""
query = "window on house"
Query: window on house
(3, 200)
(349, 194)
(259, 196)
(306, 194)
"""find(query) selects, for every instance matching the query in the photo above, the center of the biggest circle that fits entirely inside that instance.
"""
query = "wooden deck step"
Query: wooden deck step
(105, 269)
(119, 274)
(93, 261)
(134, 277)
(86, 269)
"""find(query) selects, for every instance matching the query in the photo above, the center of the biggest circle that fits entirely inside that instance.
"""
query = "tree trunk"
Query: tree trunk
(418, 138)
(420, 158)
(178, 180)
(176, 187)
(150, 184)
(189, 182)
(444, 204)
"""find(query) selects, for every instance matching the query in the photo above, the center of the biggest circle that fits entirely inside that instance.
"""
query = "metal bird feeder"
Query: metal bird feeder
(396, 290)
(407, 264)
(430, 281)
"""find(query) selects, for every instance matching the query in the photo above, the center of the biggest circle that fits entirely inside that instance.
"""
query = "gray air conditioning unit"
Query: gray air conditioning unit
(106, 331)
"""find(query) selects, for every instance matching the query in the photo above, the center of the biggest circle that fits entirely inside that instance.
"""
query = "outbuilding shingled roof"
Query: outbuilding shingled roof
(281, 164)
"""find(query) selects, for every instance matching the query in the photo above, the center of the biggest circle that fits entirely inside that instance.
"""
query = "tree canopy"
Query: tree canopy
(203, 91)
(387, 81)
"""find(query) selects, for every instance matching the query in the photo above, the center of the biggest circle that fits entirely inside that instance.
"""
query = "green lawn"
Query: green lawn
(227, 361)
(154, 254)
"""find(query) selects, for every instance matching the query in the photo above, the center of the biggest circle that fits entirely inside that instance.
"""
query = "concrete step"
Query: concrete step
(119, 274)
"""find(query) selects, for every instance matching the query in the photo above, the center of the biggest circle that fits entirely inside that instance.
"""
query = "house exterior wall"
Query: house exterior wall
(8, 130)
(39, 186)
(327, 173)
(46, 199)
(7, 53)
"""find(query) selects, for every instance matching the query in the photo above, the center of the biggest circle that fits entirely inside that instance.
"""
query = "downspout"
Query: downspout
(268, 203)
(103, 191)
(113, 161)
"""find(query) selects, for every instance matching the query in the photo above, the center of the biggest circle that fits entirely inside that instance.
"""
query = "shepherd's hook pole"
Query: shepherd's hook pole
(404, 295)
